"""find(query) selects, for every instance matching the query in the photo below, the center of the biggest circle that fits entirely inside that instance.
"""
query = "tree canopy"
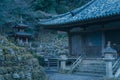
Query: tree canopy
(33, 10)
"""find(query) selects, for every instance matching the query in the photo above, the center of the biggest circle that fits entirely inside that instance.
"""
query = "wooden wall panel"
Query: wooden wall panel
(93, 44)
(76, 45)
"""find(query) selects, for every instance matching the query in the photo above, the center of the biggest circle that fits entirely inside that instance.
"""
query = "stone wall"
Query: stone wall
(18, 64)
(52, 43)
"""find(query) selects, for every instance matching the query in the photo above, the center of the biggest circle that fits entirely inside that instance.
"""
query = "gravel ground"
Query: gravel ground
(58, 76)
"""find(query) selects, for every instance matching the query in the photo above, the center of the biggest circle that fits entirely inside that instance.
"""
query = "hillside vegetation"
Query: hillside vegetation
(16, 63)
(33, 10)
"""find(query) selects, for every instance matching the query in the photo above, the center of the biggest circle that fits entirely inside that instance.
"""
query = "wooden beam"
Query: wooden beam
(103, 42)
(70, 42)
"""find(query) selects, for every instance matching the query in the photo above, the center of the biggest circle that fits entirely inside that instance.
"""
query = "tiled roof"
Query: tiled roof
(21, 25)
(94, 9)
(23, 34)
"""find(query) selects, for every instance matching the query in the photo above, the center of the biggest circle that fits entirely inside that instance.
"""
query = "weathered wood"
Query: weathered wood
(93, 51)
(70, 43)
(77, 44)
(103, 42)
(87, 44)
(93, 44)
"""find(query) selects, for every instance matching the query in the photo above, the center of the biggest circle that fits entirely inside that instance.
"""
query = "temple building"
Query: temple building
(20, 35)
(89, 27)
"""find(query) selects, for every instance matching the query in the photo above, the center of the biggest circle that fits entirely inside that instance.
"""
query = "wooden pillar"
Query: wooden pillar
(70, 42)
(103, 42)
(84, 45)
(76, 41)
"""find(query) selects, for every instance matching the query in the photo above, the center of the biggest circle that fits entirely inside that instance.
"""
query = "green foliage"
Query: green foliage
(32, 11)
(11, 10)
(57, 6)
(44, 5)
(40, 59)
(19, 61)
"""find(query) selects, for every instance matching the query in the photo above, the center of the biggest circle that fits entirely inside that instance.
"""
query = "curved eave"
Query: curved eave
(98, 11)
(76, 11)
(24, 35)
(22, 27)
(82, 23)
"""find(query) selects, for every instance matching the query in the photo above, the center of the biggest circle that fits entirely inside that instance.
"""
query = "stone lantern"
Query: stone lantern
(109, 58)
(63, 59)
(47, 61)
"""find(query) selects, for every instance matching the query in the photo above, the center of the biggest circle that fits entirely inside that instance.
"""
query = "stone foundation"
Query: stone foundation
(18, 64)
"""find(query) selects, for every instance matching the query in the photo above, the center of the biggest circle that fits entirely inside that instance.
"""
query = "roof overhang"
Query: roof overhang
(84, 23)
(98, 12)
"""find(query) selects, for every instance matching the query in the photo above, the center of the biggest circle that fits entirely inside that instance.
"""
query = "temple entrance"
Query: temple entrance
(93, 45)
(113, 37)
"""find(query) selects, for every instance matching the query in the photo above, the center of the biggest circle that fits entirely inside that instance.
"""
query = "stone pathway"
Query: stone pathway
(58, 76)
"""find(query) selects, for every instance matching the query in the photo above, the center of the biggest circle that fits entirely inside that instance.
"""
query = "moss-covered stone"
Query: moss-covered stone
(16, 63)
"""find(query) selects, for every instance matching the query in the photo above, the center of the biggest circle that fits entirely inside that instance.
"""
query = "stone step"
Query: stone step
(95, 69)
(51, 64)
(91, 68)
(93, 65)
(89, 74)
(91, 71)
